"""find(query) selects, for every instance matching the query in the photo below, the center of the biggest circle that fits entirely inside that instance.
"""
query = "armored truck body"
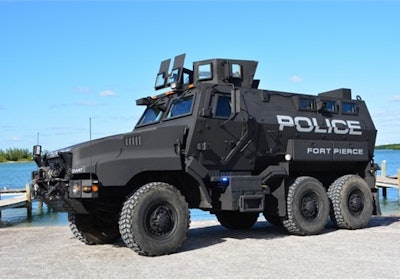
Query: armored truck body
(214, 141)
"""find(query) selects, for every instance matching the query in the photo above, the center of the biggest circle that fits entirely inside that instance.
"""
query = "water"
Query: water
(16, 175)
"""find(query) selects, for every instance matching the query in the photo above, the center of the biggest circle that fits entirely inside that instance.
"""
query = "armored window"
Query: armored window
(349, 108)
(236, 71)
(180, 107)
(307, 104)
(330, 106)
(223, 106)
(160, 81)
(174, 76)
(186, 78)
(151, 115)
(205, 72)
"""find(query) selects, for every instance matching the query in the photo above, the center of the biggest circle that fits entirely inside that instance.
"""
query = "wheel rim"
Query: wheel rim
(355, 202)
(160, 221)
(309, 206)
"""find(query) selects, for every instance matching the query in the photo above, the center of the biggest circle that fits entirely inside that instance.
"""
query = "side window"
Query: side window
(330, 106)
(236, 71)
(186, 78)
(180, 107)
(349, 108)
(173, 76)
(160, 81)
(223, 106)
(205, 72)
(307, 104)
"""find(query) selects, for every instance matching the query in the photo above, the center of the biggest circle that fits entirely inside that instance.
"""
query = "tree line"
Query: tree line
(15, 154)
(388, 147)
(20, 154)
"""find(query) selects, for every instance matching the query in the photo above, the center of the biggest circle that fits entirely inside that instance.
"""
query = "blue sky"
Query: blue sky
(65, 62)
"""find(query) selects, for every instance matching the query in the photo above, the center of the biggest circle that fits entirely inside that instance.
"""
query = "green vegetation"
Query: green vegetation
(388, 147)
(15, 154)
(18, 154)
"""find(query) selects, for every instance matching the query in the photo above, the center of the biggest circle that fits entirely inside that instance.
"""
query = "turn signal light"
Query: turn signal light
(88, 189)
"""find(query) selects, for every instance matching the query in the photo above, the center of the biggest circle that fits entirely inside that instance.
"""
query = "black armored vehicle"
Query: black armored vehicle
(213, 141)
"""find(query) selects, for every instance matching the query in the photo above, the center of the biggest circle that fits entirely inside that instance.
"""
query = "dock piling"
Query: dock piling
(398, 182)
(383, 181)
(28, 200)
(383, 168)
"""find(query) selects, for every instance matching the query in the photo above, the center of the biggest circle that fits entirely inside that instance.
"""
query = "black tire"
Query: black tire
(154, 221)
(273, 220)
(236, 219)
(351, 202)
(271, 211)
(86, 229)
(307, 207)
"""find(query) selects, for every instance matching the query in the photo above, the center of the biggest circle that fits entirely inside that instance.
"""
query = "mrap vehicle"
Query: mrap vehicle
(214, 141)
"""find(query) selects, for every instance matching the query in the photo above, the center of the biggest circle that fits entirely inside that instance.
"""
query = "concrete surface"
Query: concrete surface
(210, 251)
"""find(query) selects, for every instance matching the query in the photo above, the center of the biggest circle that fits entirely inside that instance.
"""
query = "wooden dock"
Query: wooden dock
(387, 182)
(383, 181)
(23, 198)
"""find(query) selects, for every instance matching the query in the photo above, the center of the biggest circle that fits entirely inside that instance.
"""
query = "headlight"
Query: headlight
(76, 187)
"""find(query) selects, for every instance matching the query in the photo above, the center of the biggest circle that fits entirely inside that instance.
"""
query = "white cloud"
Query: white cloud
(107, 93)
(395, 98)
(295, 79)
(82, 89)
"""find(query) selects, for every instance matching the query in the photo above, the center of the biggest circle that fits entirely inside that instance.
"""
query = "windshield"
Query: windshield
(180, 107)
(152, 114)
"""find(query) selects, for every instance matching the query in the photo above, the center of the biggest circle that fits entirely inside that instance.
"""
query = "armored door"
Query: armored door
(227, 141)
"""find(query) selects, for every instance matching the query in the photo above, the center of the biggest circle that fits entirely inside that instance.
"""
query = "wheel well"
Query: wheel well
(188, 186)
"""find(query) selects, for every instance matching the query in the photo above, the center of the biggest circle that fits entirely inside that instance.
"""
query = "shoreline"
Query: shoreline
(18, 161)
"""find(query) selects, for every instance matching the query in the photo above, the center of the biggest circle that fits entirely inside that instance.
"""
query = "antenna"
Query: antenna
(90, 129)
(37, 138)
(90, 147)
